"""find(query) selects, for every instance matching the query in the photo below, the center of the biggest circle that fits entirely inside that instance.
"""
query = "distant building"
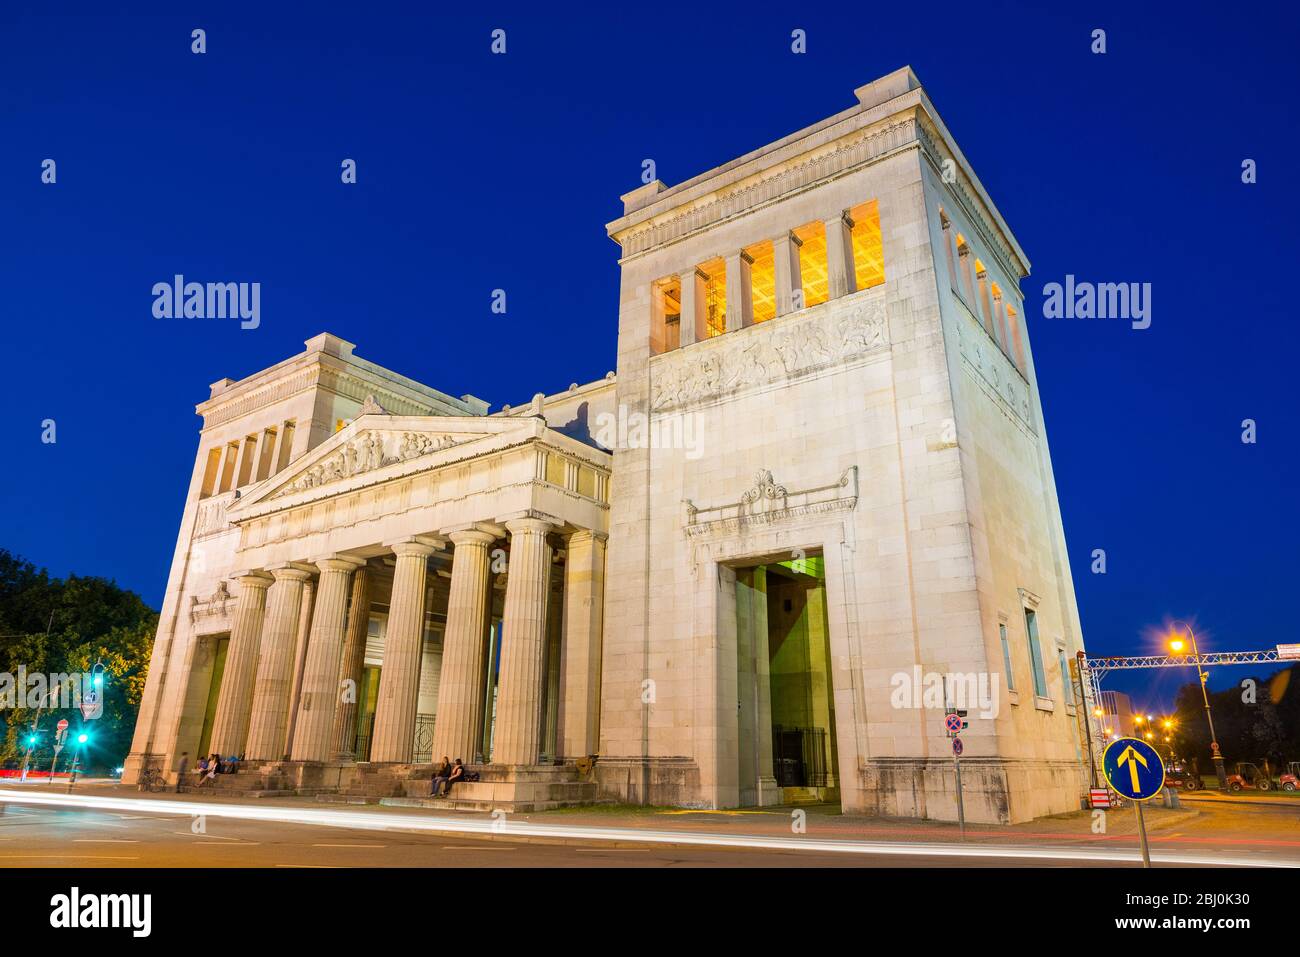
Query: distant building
(1118, 715)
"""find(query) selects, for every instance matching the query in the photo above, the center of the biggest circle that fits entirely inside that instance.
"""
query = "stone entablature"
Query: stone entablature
(937, 146)
(859, 149)
(329, 363)
(783, 349)
(384, 474)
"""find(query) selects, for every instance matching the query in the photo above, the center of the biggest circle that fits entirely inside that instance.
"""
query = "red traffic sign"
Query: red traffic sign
(953, 723)
(63, 724)
(1099, 797)
(957, 747)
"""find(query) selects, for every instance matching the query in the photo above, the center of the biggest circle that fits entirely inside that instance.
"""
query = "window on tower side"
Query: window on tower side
(1035, 653)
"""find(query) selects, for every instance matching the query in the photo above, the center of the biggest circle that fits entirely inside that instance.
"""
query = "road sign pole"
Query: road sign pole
(961, 811)
(1142, 835)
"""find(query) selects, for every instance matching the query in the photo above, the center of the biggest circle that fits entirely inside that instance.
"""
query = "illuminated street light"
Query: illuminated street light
(1176, 643)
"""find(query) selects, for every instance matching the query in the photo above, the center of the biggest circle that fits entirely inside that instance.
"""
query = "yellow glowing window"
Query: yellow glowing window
(667, 331)
(339, 424)
(715, 297)
(762, 281)
(1016, 342)
(812, 263)
(868, 250)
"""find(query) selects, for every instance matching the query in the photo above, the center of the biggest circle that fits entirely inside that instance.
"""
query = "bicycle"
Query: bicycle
(151, 779)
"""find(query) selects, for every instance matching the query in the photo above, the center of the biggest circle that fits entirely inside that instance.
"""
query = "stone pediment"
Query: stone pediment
(374, 443)
(370, 450)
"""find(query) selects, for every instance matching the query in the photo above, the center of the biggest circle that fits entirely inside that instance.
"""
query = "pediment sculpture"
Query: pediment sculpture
(369, 451)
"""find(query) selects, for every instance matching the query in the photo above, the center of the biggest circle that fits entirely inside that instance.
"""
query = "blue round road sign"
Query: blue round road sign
(1133, 768)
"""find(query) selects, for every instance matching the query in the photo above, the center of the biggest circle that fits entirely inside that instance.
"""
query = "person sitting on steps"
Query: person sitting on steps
(440, 776)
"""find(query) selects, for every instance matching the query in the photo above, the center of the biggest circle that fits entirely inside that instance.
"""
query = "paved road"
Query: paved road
(37, 836)
(43, 837)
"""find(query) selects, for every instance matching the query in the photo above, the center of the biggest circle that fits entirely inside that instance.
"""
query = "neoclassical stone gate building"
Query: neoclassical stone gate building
(819, 479)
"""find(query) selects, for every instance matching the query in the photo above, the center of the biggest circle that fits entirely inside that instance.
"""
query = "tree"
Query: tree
(51, 625)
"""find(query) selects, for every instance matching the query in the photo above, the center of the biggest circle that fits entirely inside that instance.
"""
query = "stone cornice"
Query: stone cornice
(853, 151)
(934, 147)
(339, 379)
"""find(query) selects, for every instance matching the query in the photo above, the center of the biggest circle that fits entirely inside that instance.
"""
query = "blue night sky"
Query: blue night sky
(479, 172)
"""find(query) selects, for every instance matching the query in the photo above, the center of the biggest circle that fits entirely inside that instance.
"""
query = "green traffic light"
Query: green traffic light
(83, 738)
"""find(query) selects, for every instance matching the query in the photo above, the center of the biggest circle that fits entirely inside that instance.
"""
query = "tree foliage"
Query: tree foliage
(1257, 720)
(52, 625)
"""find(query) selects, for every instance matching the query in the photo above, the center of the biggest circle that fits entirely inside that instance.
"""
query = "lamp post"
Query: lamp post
(1176, 645)
(31, 740)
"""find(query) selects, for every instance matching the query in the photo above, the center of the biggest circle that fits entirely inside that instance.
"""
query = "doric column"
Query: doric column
(740, 301)
(789, 280)
(354, 660)
(839, 256)
(399, 680)
(300, 638)
(458, 726)
(519, 688)
(230, 725)
(270, 719)
(319, 691)
(584, 605)
(693, 295)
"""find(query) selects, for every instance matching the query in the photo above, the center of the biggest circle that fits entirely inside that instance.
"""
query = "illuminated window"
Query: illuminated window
(966, 287)
(947, 248)
(228, 467)
(715, 297)
(983, 305)
(665, 320)
(868, 250)
(762, 281)
(1018, 348)
(286, 444)
(812, 263)
(210, 472)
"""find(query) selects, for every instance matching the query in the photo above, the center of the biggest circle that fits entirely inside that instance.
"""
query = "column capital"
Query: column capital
(494, 529)
(530, 525)
(462, 537)
(584, 535)
(253, 578)
(292, 571)
(418, 546)
(338, 563)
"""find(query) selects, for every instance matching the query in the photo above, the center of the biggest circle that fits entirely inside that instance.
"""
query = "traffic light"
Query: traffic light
(83, 738)
(31, 740)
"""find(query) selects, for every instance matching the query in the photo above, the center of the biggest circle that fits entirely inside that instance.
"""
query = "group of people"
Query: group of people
(209, 767)
(449, 773)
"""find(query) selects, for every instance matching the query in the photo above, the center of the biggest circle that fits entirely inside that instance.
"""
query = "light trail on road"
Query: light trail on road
(503, 829)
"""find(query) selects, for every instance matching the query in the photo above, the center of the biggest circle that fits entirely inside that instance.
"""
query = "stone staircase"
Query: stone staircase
(515, 789)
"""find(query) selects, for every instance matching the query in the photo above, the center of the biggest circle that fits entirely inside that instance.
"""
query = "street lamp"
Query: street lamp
(1176, 644)
(31, 739)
